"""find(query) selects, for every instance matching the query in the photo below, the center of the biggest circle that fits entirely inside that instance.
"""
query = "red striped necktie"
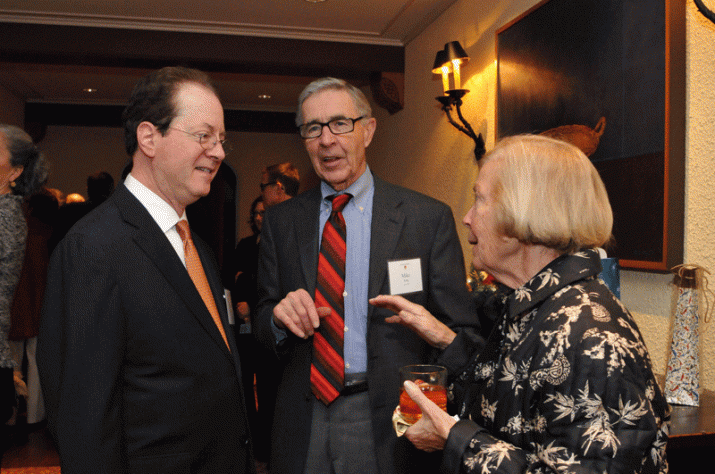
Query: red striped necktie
(327, 372)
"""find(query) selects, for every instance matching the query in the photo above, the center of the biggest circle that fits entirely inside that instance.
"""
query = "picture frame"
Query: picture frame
(608, 76)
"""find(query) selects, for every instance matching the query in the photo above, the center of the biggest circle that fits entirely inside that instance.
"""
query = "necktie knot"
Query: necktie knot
(182, 227)
(340, 201)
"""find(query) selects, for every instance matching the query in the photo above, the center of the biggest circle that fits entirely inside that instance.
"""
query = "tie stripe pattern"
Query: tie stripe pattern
(196, 272)
(327, 372)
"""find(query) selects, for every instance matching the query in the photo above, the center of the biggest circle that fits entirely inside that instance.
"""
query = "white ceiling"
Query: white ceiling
(377, 22)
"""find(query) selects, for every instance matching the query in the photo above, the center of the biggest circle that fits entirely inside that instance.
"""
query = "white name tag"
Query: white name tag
(405, 276)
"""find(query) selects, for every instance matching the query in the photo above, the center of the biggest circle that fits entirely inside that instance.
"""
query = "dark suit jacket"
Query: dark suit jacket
(405, 224)
(135, 373)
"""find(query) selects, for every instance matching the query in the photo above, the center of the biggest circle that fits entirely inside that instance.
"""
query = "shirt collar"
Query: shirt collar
(561, 272)
(163, 214)
(359, 189)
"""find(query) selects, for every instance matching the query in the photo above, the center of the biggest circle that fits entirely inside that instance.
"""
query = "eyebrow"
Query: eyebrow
(211, 129)
(330, 119)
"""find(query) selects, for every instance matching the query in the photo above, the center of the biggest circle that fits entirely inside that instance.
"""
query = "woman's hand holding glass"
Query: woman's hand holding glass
(431, 431)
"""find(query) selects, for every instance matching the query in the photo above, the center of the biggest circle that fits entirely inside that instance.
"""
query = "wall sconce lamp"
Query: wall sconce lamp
(448, 61)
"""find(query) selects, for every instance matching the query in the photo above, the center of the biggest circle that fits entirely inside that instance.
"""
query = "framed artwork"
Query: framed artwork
(608, 76)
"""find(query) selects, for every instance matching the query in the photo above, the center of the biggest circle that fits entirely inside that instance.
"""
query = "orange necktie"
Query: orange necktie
(196, 272)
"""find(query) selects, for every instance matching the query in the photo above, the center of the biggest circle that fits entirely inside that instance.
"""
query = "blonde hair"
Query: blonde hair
(549, 193)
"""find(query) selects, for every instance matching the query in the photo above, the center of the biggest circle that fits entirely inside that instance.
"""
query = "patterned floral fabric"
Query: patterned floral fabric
(13, 232)
(564, 384)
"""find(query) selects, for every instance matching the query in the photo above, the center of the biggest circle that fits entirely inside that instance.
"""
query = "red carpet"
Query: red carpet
(31, 470)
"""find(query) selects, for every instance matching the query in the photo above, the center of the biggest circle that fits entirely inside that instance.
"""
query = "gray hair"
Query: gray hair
(23, 152)
(359, 99)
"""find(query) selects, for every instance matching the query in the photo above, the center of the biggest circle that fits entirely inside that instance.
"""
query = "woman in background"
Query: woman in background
(22, 172)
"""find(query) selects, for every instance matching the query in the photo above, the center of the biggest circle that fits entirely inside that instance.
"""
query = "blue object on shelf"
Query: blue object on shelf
(611, 275)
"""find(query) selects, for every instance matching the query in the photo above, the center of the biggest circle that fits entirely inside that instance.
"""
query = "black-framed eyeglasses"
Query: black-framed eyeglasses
(337, 127)
(207, 140)
(265, 185)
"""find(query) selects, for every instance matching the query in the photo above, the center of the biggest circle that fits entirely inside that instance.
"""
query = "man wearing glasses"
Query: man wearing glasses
(137, 367)
(340, 359)
(279, 183)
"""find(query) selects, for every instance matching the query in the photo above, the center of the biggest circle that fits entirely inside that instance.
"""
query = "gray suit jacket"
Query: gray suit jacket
(136, 375)
(405, 224)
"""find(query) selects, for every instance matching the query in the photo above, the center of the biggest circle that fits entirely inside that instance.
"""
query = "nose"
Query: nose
(217, 151)
(326, 137)
(467, 219)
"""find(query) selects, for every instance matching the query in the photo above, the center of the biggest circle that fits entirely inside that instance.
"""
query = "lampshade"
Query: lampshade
(439, 61)
(454, 50)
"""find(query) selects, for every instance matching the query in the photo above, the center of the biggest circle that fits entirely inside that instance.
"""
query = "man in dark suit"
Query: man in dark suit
(385, 224)
(137, 372)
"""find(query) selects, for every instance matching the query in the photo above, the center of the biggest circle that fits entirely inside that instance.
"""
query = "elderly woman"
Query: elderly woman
(564, 383)
(22, 171)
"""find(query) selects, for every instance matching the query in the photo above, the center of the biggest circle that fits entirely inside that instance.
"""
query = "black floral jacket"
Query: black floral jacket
(564, 384)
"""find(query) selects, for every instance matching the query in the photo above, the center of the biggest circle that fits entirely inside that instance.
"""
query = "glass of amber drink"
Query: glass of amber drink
(431, 379)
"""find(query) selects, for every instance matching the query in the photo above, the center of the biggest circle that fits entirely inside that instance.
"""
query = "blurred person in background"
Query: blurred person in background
(245, 261)
(279, 183)
(23, 170)
(40, 212)
(99, 187)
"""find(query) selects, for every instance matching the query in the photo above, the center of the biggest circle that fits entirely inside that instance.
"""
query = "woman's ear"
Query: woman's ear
(15, 173)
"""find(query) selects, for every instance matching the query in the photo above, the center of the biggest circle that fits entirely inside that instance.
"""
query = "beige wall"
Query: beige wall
(424, 152)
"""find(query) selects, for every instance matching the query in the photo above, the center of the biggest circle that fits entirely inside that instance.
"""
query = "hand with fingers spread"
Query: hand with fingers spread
(417, 318)
(298, 314)
(431, 431)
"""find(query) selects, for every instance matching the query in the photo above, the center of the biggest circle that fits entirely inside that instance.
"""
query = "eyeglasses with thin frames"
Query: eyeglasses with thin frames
(337, 126)
(265, 185)
(208, 141)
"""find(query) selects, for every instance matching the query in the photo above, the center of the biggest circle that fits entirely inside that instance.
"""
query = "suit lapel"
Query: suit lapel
(307, 226)
(156, 246)
(386, 227)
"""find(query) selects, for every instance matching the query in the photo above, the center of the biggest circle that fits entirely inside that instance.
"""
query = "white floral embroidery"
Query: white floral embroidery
(489, 457)
(556, 457)
(516, 373)
(619, 348)
(488, 411)
(521, 293)
(513, 333)
(518, 424)
(548, 277)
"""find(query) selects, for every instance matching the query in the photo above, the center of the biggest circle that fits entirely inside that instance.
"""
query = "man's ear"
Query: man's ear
(369, 126)
(146, 138)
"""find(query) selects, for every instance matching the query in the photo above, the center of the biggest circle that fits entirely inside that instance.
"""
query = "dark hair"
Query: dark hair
(44, 205)
(287, 175)
(154, 100)
(24, 153)
(252, 217)
(99, 186)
